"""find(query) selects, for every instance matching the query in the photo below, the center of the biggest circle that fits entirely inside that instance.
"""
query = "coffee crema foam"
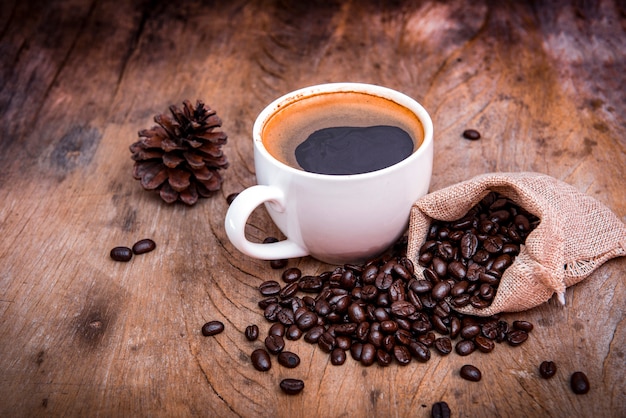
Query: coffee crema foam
(292, 124)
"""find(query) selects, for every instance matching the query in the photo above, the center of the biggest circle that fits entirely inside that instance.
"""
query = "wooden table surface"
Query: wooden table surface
(83, 335)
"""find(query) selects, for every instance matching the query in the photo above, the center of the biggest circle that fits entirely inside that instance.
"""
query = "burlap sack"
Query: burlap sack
(575, 236)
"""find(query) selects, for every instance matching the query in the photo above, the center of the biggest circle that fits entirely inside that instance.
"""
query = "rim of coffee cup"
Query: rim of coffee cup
(344, 87)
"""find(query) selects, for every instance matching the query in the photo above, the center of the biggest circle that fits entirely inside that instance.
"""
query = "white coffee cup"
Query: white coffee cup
(335, 218)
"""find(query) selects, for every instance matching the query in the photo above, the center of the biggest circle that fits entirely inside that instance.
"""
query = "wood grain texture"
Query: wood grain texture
(81, 335)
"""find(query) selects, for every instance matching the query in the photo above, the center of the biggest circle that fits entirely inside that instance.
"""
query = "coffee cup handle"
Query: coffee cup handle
(237, 216)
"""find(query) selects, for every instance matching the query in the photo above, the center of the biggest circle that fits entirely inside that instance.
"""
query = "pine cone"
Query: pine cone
(181, 157)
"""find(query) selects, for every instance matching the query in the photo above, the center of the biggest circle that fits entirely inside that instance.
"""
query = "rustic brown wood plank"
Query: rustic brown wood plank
(83, 335)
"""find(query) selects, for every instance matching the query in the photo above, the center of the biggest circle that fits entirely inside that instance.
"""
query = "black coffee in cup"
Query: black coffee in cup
(342, 133)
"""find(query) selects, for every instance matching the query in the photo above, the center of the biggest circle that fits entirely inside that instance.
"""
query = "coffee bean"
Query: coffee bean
(465, 347)
(419, 351)
(288, 359)
(383, 358)
(470, 331)
(252, 332)
(523, 326)
(368, 354)
(402, 355)
(143, 246)
(121, 254)
(443, 345)
(441, 290)
(274, 344)
(313, 335)
(311, 284)
(471, 134)
(291, 275)
(547, 369)
(293, 333)
(270, 288)
(261, 360)
(337, 357)
(440, 410)
(307, 320)
(469, 245)
(326, 342)
(288, 291)
(402, 308)
(471, 373)
(264, 303)
(212, 328)
(579, 383)
(355, 351)
(484, 344)
(516, 338)
(277, 329)
(292, 386)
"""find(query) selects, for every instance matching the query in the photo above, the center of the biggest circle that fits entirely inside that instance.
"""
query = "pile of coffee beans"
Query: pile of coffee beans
(465, 259)
(140, 247)
(379, 312)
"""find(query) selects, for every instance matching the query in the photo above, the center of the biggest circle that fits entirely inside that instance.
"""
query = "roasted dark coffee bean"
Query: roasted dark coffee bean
(381, 314)
(231, 197)
(413, 298)
(441, 290)
(470, 331)
(307, 320)
(310, 284)
(465, 347)
(421, 286)
(439, 325)
(322, 307)
(362, 331)
(143, 246)
(293, 333)
(490, 330)
(510, 249)
(292, 386)
(368, 354)
(481, 256)
(459, 288)
(402, 308)
(121, 254)
(469, 245)
(440, 267)
(478, 302)
(278, 264)
(264, 303)
(455, 327)
(471, 373)
(421, 326)
(288, 291)
(547, 369)
(443, 345)
(376, 337)
(383, 358)
(212, 328)
(523, 326)
(440, 410)
(425, 259)
(389, 341)
(369, 293)
(471, 134)
(346, 328)
(460, 301)
(446, 250)
(277, 329)
(261, 360)
(486, 292)
(313, 335)
(484, 344)
(522, 223)
(501, 262)
(457, 270)
(274, 344)
(383, 281)
(403, 337)
(326, 342)
(579, 383)
(389, 327)
(493, 244)
(369, 274)
(430, 275)
(252, 332)
(343, 341)
(396, 291)
(285, 317)
(288, 359)
(402, 355)
(515, 338)
(337, 357)
(427, 339)
(270, 288)
(419, 351)
(356, 350)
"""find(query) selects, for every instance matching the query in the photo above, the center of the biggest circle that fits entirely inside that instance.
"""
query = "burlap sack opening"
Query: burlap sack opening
(576, 235)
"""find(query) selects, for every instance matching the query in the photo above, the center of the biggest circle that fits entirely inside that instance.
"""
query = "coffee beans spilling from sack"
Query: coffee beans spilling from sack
(464, 259)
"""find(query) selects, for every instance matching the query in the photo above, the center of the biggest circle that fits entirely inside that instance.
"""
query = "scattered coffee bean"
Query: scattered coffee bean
(261, 360)
(547, 369)
(440, 410)
(292, 386)
(144, 246)
(252, 332)
(465, 347)
(523, 326)
(274, 344)
(471, 134)
(471, 373)
(278, 264)
(121, 254)
(231, 197)
(270, 288)
(291, 275)
(337, 357)
(288, 359)
(579, 383)
(516, 338)
(212, 328)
